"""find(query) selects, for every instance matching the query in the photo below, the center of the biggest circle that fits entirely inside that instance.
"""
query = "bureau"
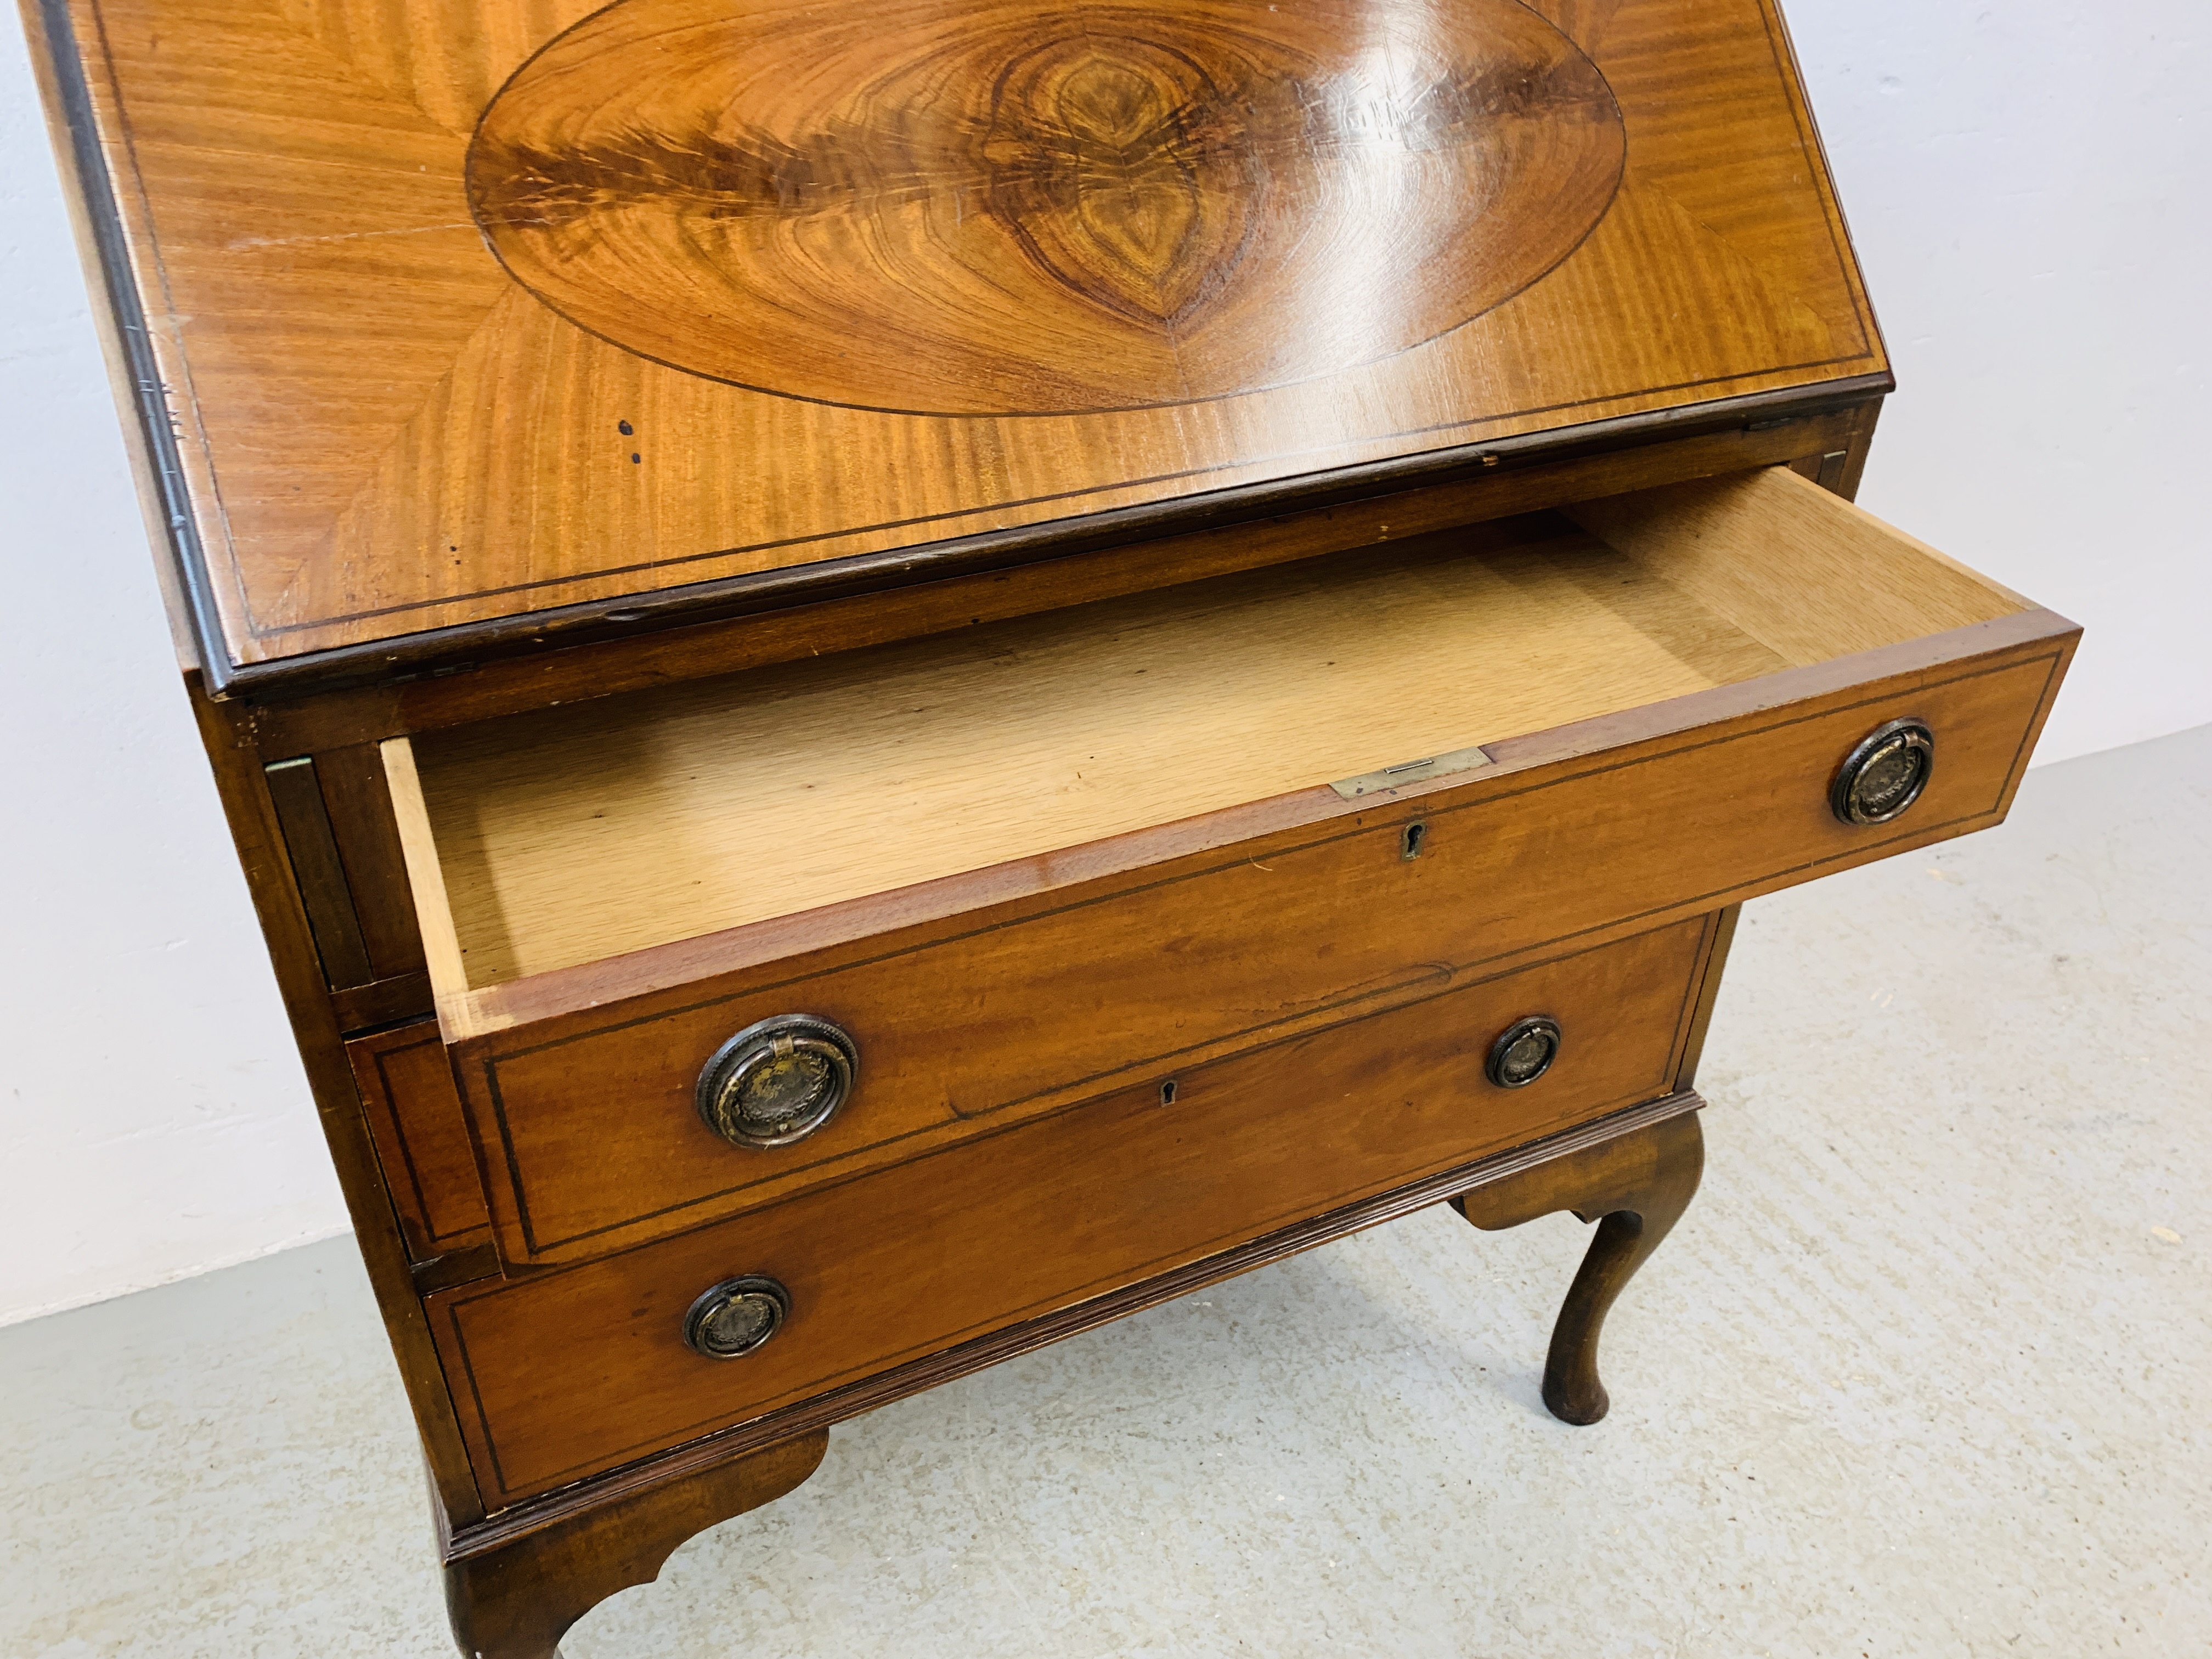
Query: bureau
(892, 684)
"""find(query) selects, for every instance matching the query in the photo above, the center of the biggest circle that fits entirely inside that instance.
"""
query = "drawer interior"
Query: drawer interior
(574, 834)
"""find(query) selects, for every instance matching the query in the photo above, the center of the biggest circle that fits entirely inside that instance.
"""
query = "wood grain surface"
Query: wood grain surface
(575, 1371)
(1013, 1010)
(1809, 575)
(1314, 237)
(950, 593)
(517, 1601)
(242, 782)
(422, 1139)
(991, 209)
(319, 872)
(585, 833)
(569, 836)
(1635, 1189)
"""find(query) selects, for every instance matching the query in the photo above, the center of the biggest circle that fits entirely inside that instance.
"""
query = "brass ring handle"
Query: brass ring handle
(731, 1319)
(1523, 1051)
(778, 1080)
(1884, 773)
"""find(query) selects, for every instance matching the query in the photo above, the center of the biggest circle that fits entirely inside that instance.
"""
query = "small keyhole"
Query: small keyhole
(1415, 834)
(1167, 1092)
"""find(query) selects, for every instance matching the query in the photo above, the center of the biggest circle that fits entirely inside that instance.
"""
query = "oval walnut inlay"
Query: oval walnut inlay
(1019, 207)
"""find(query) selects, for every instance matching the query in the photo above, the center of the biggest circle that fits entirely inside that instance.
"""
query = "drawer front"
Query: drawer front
(422, 1139)
(565, 1374)
(593, 1142)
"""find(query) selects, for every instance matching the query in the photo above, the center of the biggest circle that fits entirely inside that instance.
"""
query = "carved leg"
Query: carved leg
(515, 1601)
(1635, 1188)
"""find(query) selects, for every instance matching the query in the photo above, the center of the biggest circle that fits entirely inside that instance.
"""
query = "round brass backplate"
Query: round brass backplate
(731, 1319)
(1884, 773)
(1525, 1051)
(778, 1080)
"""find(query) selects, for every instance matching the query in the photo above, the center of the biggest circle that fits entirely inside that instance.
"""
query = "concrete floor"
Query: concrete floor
(1924, 1371)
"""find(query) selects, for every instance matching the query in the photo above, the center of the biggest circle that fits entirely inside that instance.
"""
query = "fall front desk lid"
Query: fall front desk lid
(456, 312)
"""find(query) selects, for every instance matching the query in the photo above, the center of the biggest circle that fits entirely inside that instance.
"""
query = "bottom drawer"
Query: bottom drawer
(562, 1375)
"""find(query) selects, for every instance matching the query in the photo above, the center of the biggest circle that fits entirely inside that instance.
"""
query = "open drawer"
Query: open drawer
(1008, 869)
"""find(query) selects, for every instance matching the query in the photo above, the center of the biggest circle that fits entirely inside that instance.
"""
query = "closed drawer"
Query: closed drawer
(1025, 864)
(571, 1372)
(422, 1141)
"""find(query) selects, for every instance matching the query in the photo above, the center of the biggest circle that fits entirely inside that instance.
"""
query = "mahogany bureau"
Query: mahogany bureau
(897, 679)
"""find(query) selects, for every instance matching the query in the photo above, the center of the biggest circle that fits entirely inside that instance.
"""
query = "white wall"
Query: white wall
(154, 1120)
(2028, 185)
(2030, 189)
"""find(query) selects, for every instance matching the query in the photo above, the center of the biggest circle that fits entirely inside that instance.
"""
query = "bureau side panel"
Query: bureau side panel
(244, 787)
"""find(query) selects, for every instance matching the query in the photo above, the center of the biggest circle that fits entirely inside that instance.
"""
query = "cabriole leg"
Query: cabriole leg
(518, 1600)
(1634, 1188)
